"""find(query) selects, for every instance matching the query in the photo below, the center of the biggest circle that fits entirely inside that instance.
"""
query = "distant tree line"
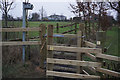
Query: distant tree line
(33, 17)
(95, 15)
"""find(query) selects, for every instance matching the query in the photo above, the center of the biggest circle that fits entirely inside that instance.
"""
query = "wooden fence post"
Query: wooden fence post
(42, 46)
(57, 31)
(100, 41)
(57, 28)
(75, 28)
(79, 44)
(49, 42)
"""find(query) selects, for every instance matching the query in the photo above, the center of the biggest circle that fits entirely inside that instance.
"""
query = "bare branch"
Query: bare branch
(9, 7)
(117, 9)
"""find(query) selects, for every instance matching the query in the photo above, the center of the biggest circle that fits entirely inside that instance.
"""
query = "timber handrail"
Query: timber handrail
(19, 29)
(66, 25)
(109, 57)
(109, 72)
(69, 31)
(90, 44)
(74, 49)
(15, 43)
(73, 62)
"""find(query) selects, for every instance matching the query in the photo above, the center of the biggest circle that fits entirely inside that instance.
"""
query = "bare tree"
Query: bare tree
(83, 10)
(88, 11)
(6, 6)
(116, 7)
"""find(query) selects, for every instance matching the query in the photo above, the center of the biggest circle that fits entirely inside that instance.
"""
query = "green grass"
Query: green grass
(36, 24)
(112, 41)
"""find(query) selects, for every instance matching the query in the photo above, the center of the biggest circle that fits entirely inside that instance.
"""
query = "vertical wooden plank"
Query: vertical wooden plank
(79, 44)
(79, 55)
(57, 31)
(49, 42)
(43, 45)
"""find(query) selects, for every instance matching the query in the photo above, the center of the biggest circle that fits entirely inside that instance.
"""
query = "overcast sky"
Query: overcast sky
(50, 6)
(57, 7)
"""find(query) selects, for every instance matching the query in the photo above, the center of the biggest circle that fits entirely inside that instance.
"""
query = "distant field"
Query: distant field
(37, 23)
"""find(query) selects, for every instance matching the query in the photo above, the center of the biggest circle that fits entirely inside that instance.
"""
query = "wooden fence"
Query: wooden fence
(19, 42)
(69, 25)
(79, 51)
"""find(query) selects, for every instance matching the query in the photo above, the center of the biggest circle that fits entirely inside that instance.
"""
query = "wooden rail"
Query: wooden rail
(91, 56)
(109, 72)
(91, 70)
(20, 43)
(70, 75)
(73, 62)
(19, 29)
(74, 49)
(90, 44)
(34, 38)
(109, 57)
(69, 31)
(67, 35)
(66, 25)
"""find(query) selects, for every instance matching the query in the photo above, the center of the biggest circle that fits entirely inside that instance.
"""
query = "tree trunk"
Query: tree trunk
(6, 23)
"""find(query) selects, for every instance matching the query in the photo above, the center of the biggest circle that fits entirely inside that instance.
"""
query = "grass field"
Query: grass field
(37, 23)
(112, 42)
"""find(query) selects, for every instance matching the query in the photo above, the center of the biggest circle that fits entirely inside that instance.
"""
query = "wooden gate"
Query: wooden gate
(91, 50)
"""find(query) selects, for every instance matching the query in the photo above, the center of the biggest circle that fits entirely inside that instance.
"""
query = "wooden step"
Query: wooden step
(73, 62)
(70, 75)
